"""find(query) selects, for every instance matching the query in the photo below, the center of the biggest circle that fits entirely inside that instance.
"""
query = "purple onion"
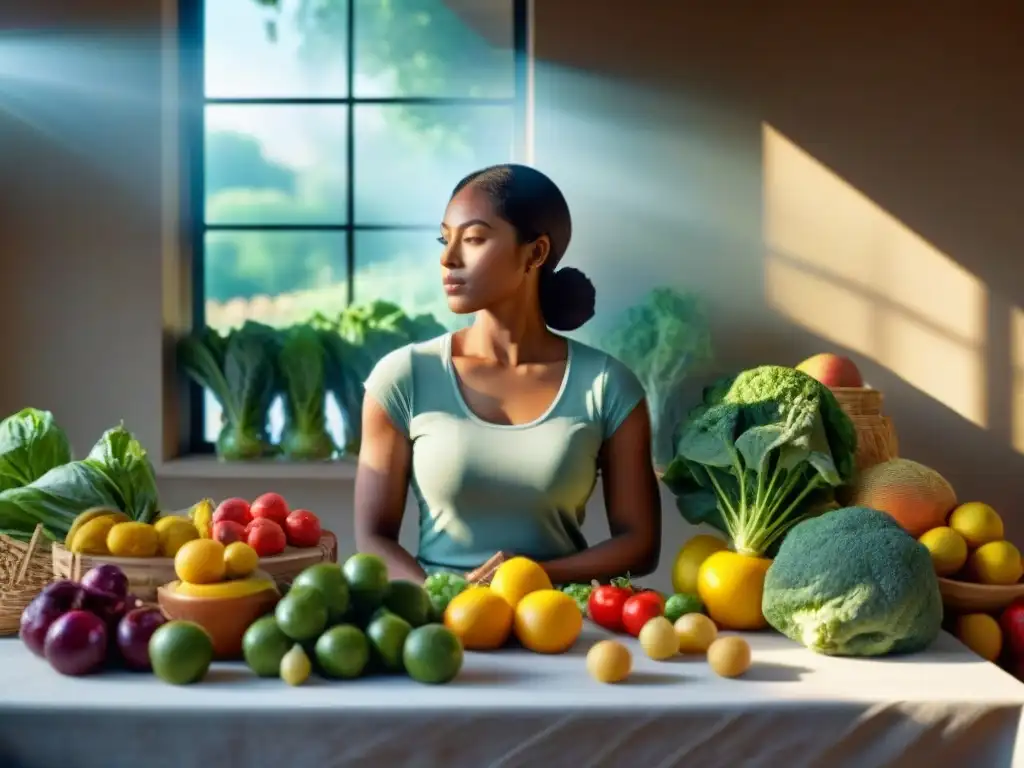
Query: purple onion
(107, 578)
(133, 633)
(107, 606)
(76, 643)
(56, 599)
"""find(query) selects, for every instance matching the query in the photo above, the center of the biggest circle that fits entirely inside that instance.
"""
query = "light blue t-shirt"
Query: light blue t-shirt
(482, 487)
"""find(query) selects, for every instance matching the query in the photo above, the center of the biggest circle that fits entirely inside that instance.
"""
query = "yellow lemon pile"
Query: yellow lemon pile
(971, 547)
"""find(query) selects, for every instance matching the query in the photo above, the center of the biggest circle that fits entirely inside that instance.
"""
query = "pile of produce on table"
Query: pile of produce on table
(247, 369)
(43, 485)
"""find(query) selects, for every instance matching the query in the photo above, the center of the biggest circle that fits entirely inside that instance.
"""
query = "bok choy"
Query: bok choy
(303, 369)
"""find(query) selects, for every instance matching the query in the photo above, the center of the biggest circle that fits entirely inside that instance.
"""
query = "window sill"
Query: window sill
(210, 468)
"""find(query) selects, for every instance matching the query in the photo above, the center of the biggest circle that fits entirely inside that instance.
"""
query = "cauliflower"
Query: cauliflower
(853, 583)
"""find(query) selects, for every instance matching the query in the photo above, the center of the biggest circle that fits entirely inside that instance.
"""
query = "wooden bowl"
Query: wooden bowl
(965, 597)
(225, 618)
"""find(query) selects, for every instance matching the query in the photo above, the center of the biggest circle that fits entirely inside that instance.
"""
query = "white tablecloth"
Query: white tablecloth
(946, 707)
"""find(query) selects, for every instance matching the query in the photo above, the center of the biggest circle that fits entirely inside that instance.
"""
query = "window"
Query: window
(330, 134)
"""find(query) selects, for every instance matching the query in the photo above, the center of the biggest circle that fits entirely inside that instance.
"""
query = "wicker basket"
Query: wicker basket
(147, 574)
(24, 571)
(876, 435)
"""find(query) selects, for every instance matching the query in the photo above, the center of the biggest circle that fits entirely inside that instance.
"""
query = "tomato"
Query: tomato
(731, 586)
(272, 506)
(604, 607)
(266, 537)
(1012, 623)
(302, 528)
(227, 532)
(641, 608)
(235, 510)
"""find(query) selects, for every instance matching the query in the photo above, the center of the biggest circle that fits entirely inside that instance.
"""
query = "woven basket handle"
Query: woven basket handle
(26, 560)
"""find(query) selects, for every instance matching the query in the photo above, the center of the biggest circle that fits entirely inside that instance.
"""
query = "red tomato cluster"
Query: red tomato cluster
(624, 609)
(266, 525)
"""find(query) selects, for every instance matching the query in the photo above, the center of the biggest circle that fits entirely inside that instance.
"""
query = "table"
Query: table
(515, 709)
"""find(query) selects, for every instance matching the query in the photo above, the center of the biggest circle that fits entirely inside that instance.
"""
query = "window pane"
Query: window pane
(275, 164)
(424, 48)
(276, 278)
(409, 158)
(254, 50)
(403, 267)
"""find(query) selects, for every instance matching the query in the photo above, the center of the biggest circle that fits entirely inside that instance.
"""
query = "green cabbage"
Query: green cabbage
(31, 444)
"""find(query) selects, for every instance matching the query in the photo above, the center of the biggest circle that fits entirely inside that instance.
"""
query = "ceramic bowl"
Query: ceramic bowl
(965, 597)
(224, 618)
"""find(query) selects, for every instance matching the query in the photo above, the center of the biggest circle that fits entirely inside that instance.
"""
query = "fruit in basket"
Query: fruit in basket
(56, 599)
(689, 559)
(302, 614)
(173, 533)
(432, 654)
(547, 621)
(88, 515)
(233, 510)
(947, 548)
(240, 560)
(133, 539)
(981, 633)
(342, 652)
(180, 652)
(107, 578)
(729, 656)
(977, 523)
(302, 528)
(998, 562)
(224, 589)
(200, 562)
(91, 538)
(731, 585)
(264, 645)
(271, 506)
(266, 537)
(695, 633)
(853, 582)
(409, 601)
(329, 581)
(228, 532)
(517, 577)
(76, 643)
(832, 370)
(133, 635)
(387, 634)
(916, 496)
(658, 639)
(201, 515)
(639, 609)
(295, 666)
(481, 619)
(609, 661)
(367, 577)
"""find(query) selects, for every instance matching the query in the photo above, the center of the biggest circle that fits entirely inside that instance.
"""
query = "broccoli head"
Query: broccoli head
(852, 582)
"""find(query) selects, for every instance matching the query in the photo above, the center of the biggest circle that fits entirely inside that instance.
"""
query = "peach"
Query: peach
(832, 370)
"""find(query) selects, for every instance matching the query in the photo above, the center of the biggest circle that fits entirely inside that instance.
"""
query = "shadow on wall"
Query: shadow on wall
(830, 179)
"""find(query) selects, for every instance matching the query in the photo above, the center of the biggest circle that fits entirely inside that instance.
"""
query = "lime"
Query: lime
(302, 613)
(432, 654)
(387, 634)
(342, 652)
(264, 645)
(408, 600)
(367, 577)
(180, 652)
(681, 604)
(327, 579)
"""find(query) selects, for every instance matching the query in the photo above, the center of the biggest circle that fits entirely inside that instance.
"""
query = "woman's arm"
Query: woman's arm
(634, 510)
(382, 482)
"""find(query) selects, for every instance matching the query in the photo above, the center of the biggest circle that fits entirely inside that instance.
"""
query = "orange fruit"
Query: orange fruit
(200, 561)
(548, 621)
(480, 618)
(516, 578)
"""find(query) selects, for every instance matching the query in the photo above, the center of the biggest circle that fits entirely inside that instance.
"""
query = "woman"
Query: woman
(502, 428)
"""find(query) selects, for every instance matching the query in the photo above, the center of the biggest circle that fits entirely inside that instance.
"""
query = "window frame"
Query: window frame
(194, 101)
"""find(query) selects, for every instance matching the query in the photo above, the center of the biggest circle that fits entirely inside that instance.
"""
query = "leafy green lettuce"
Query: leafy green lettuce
(117, 473)
(31, 444)
(303, 369)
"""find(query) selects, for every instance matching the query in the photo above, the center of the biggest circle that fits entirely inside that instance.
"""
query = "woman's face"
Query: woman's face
(483, 263)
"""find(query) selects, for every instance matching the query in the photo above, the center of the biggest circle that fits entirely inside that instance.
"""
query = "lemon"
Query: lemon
(947, 548)
(518, 577)
(978, 523)
(174, 532)
(689, 559)
(240, 559)
(997, 562)
(481, 619)
(200, 561)
(981, 633)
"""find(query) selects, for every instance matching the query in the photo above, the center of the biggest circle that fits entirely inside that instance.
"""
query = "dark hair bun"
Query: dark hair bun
(567, 299)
